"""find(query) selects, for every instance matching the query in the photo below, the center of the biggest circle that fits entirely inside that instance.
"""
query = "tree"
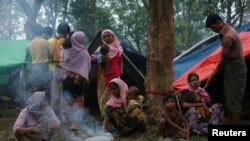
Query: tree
(132, 17)
(83, 14)
(160, 53)
(10, 22)
(31, 12)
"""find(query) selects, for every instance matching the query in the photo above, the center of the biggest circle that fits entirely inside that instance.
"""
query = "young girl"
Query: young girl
(172, 123)
(37, 120)
(115, 107)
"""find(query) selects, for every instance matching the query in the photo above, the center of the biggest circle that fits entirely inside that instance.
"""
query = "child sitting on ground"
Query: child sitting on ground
(172, 123)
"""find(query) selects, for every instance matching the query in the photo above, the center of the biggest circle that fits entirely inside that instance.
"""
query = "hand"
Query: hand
(92, 57)
(37, 128)
(209, 81)
(185, 132)
(78, 79)
(160, 138)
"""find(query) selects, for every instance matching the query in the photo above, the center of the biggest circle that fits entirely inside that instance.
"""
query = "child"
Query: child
(101, 56)
(67, 43)
(204, 111)
(172, 123)
(37, 121)
(115, 107)
(134, 108)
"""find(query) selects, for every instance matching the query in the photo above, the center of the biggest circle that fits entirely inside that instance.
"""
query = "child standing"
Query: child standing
(172, 124)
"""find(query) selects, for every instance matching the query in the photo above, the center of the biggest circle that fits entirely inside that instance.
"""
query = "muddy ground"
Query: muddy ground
(9, 114)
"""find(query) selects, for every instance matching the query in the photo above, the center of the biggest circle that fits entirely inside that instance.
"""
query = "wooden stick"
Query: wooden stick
(179, 107)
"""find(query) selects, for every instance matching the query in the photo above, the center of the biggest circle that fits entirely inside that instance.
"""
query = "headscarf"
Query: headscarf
(204, 95)
(76, 59)
(123, 88)
(34, 105)
(114, 47)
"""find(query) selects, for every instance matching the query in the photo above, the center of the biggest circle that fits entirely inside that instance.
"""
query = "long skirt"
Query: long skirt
(102, 93)
(197, 125)
(234, 84)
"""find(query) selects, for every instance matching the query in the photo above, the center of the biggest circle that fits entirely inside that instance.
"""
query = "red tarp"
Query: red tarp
(207, 65)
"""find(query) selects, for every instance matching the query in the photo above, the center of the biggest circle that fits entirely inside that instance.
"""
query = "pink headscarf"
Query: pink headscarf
(123, 87)
(204, 95)
(114, 47)
(76, 59)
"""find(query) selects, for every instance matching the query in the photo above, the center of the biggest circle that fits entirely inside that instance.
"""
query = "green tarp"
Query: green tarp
(12, 53)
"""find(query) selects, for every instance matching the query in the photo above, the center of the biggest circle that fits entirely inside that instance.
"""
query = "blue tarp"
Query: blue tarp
(187, 62)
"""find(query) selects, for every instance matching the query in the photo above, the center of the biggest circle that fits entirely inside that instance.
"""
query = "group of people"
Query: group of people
(63, 99)
(120, 105)
(194, 112)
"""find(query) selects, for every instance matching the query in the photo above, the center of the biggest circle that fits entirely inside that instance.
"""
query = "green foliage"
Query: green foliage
(132, 17)
(104, 19)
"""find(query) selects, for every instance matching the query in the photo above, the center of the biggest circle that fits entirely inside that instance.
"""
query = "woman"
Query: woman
(199, 111)
(75, 63)
(37, 120)
(113, 67)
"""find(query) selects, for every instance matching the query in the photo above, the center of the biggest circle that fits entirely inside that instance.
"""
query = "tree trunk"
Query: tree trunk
(31, 13)
(160, 54)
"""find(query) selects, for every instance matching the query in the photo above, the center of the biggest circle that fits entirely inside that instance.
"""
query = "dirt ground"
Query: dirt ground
(9, 114)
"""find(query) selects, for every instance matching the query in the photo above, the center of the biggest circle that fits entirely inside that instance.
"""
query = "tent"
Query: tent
(12, 61)
(199, 52)
(204, 57)
(12, 54)
(206, 66)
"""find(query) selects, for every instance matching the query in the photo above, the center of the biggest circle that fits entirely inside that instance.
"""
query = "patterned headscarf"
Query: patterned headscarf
(114, 47)
(34, 105)
(76, 59)
(123, 88)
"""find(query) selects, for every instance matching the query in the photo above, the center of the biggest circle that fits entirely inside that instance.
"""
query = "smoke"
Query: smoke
(88, 126)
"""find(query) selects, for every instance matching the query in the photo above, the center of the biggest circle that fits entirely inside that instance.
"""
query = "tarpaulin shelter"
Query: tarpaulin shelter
(12, 61)
(203, 59)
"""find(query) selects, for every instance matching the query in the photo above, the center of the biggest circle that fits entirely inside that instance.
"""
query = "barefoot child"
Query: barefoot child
(172, 124)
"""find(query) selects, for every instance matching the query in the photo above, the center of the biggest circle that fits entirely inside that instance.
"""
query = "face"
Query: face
(107, 37)
(215, 27)
(115, 90)
(194, 82)
(170, 103)
(132, 93)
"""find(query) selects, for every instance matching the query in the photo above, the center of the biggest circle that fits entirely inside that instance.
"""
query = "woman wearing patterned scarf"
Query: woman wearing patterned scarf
(37, 120)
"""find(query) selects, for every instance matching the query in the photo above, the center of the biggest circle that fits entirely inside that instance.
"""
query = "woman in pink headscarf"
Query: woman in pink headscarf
(197, 107)
(75, 62)
(193, 84)
(113, 67)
